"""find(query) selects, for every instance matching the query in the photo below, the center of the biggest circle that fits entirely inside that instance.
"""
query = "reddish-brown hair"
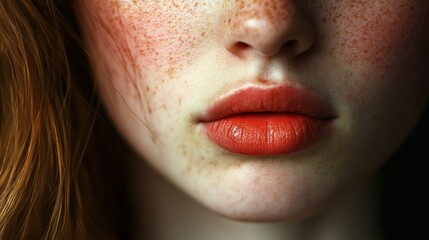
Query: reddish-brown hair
(47, 183)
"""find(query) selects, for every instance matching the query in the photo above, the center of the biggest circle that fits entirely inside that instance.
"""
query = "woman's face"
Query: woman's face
(261, 109)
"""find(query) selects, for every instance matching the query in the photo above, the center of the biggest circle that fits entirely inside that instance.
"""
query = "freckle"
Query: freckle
(213, 163)
(149, 110)
(170, 72)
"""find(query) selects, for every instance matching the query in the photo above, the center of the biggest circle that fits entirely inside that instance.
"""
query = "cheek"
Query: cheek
(139, 46)
(377, 45)
(145, 36)
(376, 34)
(377, 60)
(156, 36)
(151, 42)
(373, 39)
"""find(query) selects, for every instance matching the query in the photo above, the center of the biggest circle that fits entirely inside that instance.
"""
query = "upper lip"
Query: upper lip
(277, 99)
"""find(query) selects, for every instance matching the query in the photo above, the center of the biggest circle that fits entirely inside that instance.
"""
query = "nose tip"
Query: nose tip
(266, 32)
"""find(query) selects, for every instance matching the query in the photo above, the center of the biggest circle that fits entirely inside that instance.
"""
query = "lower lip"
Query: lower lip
(266, 134)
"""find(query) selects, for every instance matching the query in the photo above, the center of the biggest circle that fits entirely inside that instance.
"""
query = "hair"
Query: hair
(53, 182)
(50, 181)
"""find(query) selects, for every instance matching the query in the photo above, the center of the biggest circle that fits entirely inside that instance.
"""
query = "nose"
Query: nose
(268, 27)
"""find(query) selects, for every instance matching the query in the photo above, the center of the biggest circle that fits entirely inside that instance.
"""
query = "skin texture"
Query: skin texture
(160, 64)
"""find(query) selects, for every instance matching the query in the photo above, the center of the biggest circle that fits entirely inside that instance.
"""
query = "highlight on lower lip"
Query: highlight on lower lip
(265, 134)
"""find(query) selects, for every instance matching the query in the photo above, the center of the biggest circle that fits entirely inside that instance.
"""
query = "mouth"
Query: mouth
(267, 121)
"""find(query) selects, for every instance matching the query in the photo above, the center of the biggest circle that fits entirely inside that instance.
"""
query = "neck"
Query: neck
(167, 213)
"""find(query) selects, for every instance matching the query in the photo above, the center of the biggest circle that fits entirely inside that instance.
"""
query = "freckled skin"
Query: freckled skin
(160, 63)
(369, 34)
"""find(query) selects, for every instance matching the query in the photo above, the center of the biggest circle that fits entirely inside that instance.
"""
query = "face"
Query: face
(261, 109)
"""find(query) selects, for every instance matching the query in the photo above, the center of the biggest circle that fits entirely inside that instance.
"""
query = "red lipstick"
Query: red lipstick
(267, 121)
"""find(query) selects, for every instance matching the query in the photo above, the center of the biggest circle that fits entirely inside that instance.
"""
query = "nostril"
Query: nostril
(256, 31)
(240, 49)
(242, 46)
(291, 48)
(291, 45)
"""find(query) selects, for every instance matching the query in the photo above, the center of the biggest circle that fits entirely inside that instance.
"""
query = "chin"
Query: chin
(253, 209)
(269, 192)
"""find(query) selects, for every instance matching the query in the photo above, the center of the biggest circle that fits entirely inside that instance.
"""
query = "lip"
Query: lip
(267, 121)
